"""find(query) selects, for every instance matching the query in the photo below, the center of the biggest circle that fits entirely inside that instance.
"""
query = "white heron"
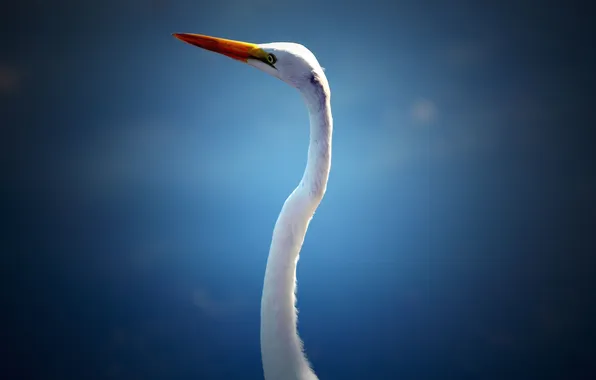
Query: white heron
(281, 348)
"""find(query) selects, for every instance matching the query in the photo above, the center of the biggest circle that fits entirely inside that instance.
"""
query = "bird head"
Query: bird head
(290, 62)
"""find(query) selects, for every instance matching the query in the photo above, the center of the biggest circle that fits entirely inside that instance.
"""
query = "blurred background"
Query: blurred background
(141, 179)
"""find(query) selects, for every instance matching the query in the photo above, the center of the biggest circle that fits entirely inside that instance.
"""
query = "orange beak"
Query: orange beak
(238, 50)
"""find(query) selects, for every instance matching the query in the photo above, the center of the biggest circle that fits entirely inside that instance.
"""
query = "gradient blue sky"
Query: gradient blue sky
(142, 178)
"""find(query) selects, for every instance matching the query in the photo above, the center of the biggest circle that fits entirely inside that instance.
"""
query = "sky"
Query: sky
(141, 179)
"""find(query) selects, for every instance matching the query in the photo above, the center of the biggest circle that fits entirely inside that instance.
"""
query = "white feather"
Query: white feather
(281, 348)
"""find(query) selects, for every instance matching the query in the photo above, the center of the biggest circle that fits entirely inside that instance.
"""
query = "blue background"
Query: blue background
(142, 177)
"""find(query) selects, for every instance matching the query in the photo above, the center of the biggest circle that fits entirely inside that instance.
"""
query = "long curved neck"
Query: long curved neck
(281, 347)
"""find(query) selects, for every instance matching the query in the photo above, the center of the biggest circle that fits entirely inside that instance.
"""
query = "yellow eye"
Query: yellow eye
(271, 59)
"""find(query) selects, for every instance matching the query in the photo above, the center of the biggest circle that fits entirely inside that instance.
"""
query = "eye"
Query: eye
(271, 59)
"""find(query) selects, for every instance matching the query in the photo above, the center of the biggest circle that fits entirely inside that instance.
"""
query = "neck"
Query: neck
(281, 347)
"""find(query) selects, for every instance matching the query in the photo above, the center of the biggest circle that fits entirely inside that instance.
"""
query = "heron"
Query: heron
(282, 351)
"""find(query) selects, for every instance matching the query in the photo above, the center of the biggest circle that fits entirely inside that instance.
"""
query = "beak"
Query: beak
(241, 51)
